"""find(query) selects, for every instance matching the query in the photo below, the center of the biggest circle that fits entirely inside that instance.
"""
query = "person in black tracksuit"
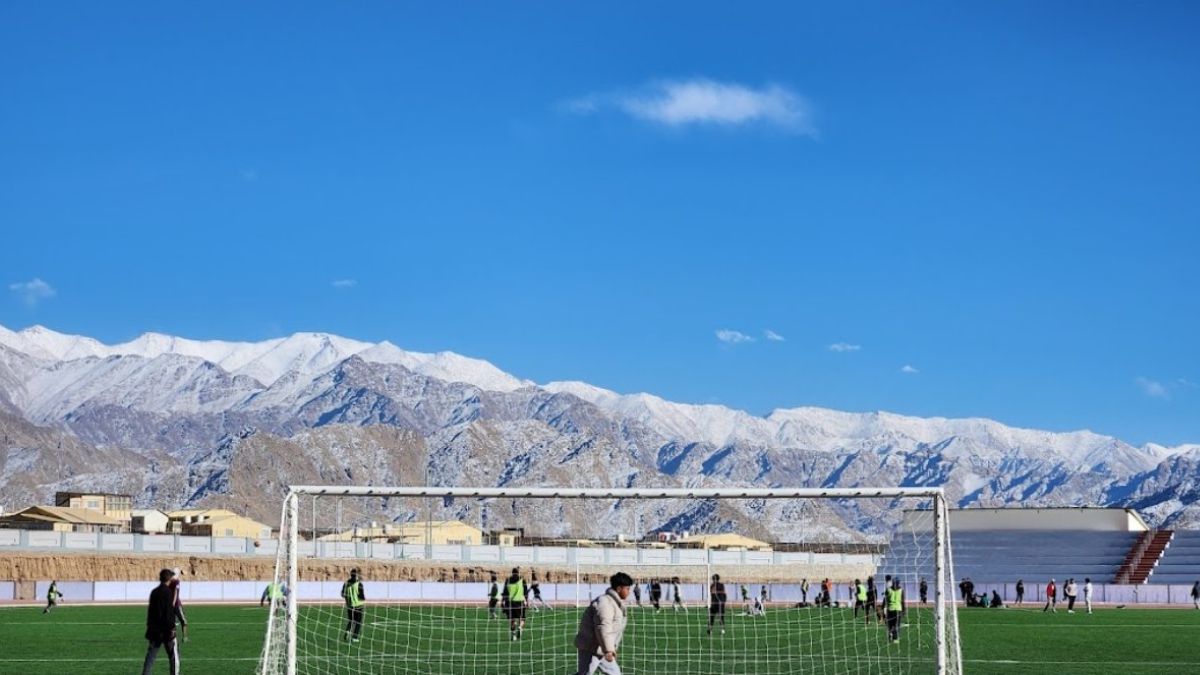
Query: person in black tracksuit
(716, 603)
(493, 597)
(161, 614)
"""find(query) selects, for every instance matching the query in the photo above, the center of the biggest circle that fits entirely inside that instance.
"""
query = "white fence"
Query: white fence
(555, 594)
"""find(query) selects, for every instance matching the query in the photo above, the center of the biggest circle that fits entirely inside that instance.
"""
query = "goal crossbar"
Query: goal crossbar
(618, 493)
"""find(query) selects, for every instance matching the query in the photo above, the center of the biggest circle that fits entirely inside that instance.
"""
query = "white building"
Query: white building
(149, 521)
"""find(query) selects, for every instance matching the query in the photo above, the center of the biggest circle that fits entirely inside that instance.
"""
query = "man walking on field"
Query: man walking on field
(716, 605)
(535, 589)
(493, 597)
(1087, 593)
(354, 598)
(161, 614)
(601, 628)
(677, 596)
(52, 596)
(1051, 598)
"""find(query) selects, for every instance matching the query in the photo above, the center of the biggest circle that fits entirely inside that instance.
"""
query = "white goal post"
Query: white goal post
(430, 585)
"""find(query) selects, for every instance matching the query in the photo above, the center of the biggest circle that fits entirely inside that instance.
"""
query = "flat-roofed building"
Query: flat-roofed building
(215, 523)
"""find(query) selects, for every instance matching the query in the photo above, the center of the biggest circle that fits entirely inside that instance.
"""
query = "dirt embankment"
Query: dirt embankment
(29, 567)
(109, 567)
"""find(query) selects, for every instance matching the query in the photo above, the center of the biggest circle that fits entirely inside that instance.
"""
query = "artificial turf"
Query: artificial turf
(227, 640)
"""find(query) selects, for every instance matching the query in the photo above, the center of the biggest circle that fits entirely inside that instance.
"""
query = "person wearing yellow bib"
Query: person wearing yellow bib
(354, 598)
(272, 593)
(894, 600)
(514, 603)
(860, 597)
(52, 597)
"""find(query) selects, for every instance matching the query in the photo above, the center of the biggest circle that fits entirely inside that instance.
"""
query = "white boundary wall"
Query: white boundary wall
(565, 594)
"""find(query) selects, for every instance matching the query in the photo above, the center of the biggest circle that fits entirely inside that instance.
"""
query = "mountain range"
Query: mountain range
(186, 422)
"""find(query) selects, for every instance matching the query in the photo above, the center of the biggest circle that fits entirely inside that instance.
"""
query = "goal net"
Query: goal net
(465, 581)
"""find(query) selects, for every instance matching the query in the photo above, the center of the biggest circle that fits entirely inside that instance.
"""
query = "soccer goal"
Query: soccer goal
(466, 581)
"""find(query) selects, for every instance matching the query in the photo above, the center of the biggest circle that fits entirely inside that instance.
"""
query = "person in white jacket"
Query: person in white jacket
(601, 628)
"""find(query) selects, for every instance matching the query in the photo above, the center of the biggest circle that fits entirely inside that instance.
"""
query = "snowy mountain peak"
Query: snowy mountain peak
(302, 355)
(41, 342)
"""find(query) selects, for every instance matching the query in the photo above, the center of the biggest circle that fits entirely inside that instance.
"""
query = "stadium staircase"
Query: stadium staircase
(1143, 557)
(1132, 558)
(1179, 562)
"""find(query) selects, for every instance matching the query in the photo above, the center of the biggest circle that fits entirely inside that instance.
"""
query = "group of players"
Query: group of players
(512, 599)
(889, 608)
(515, 596)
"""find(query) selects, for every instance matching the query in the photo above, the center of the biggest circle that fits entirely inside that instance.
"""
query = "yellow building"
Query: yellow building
(728, 541)
(215, 523)
(440, 532)
(111, 505)
(62, 519)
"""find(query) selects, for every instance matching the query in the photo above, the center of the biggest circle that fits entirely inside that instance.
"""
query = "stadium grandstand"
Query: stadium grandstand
(1108, 545)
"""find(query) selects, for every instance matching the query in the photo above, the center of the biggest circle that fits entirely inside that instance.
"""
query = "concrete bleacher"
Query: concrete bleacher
(1007, 555)
(1180, 563)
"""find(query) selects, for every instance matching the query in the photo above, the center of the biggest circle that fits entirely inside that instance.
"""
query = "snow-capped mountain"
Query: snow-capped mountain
(195, 410)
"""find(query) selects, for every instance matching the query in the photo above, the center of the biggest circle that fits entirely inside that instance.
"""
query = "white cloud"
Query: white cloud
(33, 291)
(773, 336)
(1184, 382)
(909, 369)
(677, 103)
(1152, 388)
(345, 283)
(844, 347)
(733, 337)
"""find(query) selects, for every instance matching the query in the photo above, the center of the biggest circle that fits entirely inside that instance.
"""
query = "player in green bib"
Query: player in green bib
(894, 599)
(354, 599)
(52, 596)
(514, 603)
(271, 593)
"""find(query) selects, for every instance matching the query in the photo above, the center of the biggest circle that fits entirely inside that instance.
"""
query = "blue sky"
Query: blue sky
(1001, 197)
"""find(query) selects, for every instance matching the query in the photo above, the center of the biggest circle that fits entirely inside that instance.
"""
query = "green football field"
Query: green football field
(226, 640)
